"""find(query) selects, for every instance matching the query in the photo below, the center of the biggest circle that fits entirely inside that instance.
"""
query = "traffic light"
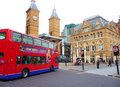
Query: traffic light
(116, 50)
(82, 53)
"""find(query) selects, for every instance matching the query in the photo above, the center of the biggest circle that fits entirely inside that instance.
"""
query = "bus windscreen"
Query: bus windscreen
(1, 55)
(2, 36)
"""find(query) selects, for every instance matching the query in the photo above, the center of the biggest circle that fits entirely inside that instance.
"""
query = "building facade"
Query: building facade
(32, 20)
(95, 36)
(65, 46)
(67, 32)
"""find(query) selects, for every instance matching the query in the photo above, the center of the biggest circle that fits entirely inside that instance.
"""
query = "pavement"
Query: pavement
(104, 69)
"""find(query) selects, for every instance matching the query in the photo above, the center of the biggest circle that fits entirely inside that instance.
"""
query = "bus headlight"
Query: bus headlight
(2, 61)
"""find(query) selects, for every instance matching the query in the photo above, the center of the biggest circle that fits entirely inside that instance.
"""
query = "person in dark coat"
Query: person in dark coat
(98, 64)
(65, 62)
(110, 62)
(116, 62)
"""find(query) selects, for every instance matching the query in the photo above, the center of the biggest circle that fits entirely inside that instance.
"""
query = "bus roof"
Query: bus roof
(50, 38)
(7, 29)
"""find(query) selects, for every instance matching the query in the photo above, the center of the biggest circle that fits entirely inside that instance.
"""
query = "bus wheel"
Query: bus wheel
(51, 68)
(25, 73)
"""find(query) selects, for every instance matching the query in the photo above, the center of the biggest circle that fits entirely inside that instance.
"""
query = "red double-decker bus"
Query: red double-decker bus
(23, 55)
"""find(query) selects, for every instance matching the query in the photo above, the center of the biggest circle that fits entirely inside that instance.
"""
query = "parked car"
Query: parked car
(78, 61)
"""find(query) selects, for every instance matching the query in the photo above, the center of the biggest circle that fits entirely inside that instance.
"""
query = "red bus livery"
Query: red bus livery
(23, 55)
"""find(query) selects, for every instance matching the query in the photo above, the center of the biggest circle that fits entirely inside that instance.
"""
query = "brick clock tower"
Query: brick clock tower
(32, 20)
(54, 24)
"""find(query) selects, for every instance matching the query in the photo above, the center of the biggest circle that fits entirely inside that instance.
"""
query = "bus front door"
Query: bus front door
(19, 64)
(1, 66)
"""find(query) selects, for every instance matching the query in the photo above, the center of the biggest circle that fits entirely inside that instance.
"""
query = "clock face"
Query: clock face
(34, 17)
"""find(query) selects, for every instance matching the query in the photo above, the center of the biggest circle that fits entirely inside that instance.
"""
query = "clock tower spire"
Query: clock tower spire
(54, 24)
(32, 19)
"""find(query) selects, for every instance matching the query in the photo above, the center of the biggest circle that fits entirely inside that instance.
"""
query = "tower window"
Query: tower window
(50, 33)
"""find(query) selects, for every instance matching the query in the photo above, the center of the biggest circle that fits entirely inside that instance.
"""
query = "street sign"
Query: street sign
(82, 53)
(116, 50)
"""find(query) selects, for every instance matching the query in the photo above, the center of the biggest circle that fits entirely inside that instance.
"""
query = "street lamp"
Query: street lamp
(116, 53)
(63, 48)
(83, 60)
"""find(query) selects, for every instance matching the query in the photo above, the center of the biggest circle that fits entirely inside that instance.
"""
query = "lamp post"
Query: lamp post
(116, 53)
(82, 55)
(63, 48)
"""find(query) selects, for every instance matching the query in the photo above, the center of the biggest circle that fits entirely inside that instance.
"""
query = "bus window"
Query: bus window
(27, 40)
(26, 60)
(51, 45)
(37, 42)
(1, 55)
(55, 46)
(17, 37)
(2, 35)
(36, 60)
(45, 43)
(42, 60)
(18, 59)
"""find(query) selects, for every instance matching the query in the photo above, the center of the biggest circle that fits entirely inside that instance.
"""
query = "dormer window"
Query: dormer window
(97, 25)
(86, 29)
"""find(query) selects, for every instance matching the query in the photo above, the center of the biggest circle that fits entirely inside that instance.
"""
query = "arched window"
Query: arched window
(94, 35)
(93, 47)
(100, 47)
(98, 34)
(101, 34)
(91, 36)
(87, 36)
(84, 37)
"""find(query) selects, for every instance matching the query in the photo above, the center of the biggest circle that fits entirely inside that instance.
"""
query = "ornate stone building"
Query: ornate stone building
(32, 20)
(96, 36)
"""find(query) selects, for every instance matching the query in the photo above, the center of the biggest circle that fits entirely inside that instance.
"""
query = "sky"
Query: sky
(13, 12)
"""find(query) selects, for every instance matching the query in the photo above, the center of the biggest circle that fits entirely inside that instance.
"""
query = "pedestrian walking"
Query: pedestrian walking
(65, 62)
(82, 63)
(110, 62)
(116, 62)
(98, 63)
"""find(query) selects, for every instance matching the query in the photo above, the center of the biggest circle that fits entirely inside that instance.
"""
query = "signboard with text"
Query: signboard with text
(116, 50)
(35, 50)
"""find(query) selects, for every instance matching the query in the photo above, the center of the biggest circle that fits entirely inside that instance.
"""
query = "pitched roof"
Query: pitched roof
(54, 14)
(33, 5)
(95, 19)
